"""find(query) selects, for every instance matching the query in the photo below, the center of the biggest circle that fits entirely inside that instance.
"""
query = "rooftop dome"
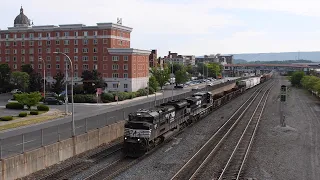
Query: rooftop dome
(21, 19)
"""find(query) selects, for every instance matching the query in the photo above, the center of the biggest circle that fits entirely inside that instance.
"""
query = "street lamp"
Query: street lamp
(171, 76)
(44, 78)
(71, 66)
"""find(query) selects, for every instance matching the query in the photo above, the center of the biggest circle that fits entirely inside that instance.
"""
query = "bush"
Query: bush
(42, 99)
(42, 108)
(84, 98)
(131, 95)
(151, 90)
(107, 97)
(34, 112)
(6, 118)
(142, 92)
(23, 114)
(14, 105)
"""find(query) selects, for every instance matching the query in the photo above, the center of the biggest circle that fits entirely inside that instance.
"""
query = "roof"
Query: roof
(267, 65)
(21, 19)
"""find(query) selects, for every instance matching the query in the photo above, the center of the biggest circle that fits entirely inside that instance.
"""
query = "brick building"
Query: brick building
(153, 60)
(179, 59)
(104, 47)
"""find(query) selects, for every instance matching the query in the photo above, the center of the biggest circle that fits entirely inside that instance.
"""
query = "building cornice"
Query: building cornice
(128, 51)
(64, 38)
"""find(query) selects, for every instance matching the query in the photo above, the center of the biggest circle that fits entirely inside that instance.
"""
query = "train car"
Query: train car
(145, 129)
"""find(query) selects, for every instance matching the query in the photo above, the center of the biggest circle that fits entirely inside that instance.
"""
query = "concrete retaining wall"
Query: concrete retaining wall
(35, 160)
(224, 88)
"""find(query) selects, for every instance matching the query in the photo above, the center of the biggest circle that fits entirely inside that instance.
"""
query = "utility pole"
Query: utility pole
(283, 98)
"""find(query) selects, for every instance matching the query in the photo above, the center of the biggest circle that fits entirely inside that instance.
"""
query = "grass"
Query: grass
(33, 120)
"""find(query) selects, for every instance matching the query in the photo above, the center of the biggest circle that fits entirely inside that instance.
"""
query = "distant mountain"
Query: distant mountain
(241, 61)
(283, 56)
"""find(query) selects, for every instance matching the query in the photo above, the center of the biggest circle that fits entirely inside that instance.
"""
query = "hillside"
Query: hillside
(241, 61)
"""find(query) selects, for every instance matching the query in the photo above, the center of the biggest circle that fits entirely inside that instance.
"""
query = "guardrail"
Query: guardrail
(24, 139)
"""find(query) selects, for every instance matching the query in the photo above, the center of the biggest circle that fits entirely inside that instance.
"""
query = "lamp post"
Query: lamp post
(171, 76)
(44, 78)
(71, 67)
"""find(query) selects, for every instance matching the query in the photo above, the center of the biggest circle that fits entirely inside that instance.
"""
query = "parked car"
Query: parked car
(52, 100)
(195, 88)
(15, 91)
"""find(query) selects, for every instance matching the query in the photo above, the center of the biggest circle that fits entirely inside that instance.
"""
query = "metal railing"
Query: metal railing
(22, 142)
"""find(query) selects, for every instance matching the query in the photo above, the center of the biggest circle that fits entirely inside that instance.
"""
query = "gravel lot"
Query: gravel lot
(168, 159)
(291, 152)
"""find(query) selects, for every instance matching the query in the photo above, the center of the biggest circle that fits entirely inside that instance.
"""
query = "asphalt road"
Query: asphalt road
(52, 131)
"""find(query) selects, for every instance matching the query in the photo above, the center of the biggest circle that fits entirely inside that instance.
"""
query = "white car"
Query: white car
(15, 91)
(195, 88)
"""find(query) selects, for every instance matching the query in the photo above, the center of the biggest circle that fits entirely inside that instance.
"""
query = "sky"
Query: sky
(189, 27)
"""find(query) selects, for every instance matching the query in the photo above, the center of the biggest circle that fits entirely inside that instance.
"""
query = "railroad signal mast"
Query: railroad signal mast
(283, 99)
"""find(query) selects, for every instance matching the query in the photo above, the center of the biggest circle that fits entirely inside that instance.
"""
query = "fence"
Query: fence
(14, 145)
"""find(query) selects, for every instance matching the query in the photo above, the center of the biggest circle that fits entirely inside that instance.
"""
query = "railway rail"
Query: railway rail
(193, 167)
(83, 163)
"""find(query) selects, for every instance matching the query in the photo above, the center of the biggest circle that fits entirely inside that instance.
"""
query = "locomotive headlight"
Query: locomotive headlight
(138, 139)
(125, 138)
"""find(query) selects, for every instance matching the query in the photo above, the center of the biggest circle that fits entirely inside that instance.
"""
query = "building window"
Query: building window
(75, 58)
(125, 86)
(47, 34)
(23, 36)
(31, 43)
(39, 50)
(65, 34)
(57, 58)
(105, 67)
(125, 66)
(7, 51)
(76, 42)
(14, 51)
(105, 50)
(85, 66)
(23, 51)
(7, 43)
(57, 42)
(7, 36)
(105, 58)
(31, 51)
(23, 59)
(22, 43)
(66, 50)
(115, 58)
(95, 50)
(57, 66)
(48, 43)
(76, 66)
(115, 66)
(57, 49)
(85, 33)
(95, 33)
(105, 32)
(39, 35)
(95, 58)
(95, 67)
(14, 43)
(115, 85)
(15, 36)
(66, 42)
(48, 58)
(7, 58)
(48, 50)
(75, 74)
(125, 58)
(75, 50)
(14, 66)
(57, 34)
(31, 58)
(125, 75)
(76, 33)
(31, 35)
(85, 50)
(14, 59)
(39, 43)
(48, 66)
(39, 66)
(105, 41)
(95, 41)
(85, 41)
(85, 58)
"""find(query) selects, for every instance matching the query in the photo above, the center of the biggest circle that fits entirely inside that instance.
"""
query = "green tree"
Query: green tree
(181, 76)
(177, 67)
(309, 82)
(162, 76)
(29, 99)
(20, 80)
(5, 73)
(214, 69)
(296, 78)
(27, 68)
(153, 83)
(191, 69)
(316, 87)
(91, 81)
(57, 86)
(35, 82)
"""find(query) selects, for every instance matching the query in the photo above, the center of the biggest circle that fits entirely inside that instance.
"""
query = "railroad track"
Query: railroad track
(83, 163)
(194, 166)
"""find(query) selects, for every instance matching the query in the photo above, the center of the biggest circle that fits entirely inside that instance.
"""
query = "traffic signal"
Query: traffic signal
(283, 98)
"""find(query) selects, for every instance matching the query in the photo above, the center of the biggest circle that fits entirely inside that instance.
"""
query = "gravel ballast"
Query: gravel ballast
(168, 159)
(290, 152)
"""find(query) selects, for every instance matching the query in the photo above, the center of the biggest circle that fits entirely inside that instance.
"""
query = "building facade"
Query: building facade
(153, 60)
(222, 59)
(179, 59)
(104, 47)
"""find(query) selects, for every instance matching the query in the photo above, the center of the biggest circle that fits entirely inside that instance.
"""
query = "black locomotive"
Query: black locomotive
(146, 129)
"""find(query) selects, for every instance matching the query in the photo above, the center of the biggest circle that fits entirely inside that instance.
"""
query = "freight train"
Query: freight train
(147, 128)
